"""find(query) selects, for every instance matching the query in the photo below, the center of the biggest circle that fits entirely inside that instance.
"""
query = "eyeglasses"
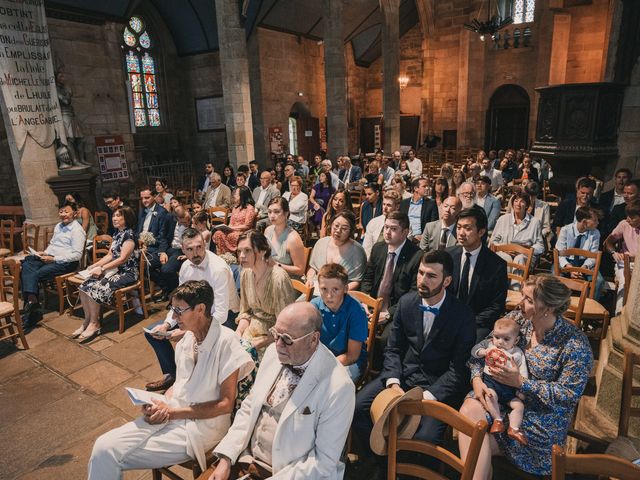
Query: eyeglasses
(287, 339)
(343, 228)
(179, 311)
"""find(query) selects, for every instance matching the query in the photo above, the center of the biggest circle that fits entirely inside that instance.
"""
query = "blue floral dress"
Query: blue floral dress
(559, 367)
(101, 289)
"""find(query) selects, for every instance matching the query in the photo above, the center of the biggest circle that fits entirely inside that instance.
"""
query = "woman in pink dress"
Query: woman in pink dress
(243, 218)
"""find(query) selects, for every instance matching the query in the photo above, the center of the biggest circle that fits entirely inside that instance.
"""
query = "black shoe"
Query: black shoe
(163, 384)
(31, 319)
(29, 306)
(164, 297)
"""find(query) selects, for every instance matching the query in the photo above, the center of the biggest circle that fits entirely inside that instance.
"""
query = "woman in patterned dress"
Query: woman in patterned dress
(243, 218)
(117, 269)
(559, 360)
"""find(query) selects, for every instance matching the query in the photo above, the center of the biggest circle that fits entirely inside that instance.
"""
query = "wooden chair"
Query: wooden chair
(123, 299)
(71, 282)
(593, 310)
(302, 289)
(307, 258)
(10, 320)
(447, 415)
(375, 306)
(516, 272)
(631, 359)
(576, 308)
(101, 220)
(157, 473)
(183, 196)
(218, 220)
(30, 236)
(607, 466)
(7, 231)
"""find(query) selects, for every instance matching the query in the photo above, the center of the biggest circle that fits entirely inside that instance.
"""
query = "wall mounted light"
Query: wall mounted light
(403, 80)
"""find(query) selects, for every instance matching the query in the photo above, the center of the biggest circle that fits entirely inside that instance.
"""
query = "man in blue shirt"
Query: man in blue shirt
(419, 208)
(344, 321)
(61, 256)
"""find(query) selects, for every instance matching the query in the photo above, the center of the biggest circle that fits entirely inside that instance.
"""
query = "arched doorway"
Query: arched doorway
(304, 131)
(508, 118)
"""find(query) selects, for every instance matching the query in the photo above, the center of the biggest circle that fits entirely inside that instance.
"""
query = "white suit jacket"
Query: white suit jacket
(313, 426)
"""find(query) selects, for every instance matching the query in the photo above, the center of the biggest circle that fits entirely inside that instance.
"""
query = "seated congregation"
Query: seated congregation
(340, 308)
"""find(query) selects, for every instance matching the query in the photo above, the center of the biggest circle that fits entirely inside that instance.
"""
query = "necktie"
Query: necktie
(443, 238)
(387, 280)
(463, 289)
(578, 242)
(577, 261)
(285, 385)
(428, 309)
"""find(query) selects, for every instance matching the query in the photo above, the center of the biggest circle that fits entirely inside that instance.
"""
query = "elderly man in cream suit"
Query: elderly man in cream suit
(294, 423)
(195, 412)
(262, 196)
(218, 194)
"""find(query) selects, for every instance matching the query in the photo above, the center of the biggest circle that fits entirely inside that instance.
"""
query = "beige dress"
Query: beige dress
(261, 308)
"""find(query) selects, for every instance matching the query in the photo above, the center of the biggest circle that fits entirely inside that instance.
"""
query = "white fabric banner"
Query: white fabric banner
(27, 78)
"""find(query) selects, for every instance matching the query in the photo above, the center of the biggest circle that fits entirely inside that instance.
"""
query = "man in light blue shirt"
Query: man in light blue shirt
(583, 233)
(61, 256)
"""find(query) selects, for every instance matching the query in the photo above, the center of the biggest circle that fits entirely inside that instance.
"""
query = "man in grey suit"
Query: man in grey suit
(262, 196)
(441, 234)
(488, 202)
(218, 194)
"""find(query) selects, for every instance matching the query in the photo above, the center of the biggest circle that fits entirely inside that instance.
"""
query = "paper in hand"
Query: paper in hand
(157, 334)
(142, 397)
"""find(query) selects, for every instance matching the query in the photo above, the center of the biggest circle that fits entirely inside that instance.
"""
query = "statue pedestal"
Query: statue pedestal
(83, 183)
(623, 333)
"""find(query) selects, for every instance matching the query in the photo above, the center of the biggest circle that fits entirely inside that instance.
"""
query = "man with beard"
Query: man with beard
(431, 337)
(200, 264)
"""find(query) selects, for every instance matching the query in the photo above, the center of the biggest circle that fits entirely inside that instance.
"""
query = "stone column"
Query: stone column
(335, 73)
(391, 70)
(234, 65)
(559, 48)
(33, 165)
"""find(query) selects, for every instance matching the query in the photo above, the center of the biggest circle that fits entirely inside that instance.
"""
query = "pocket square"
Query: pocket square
(306, 411)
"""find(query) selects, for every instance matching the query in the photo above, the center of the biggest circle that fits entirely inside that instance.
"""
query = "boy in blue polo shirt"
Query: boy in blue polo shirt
(344, 326)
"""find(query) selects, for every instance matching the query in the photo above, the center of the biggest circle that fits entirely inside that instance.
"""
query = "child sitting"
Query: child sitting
(498, 351)
(201, 223)
(344, 321)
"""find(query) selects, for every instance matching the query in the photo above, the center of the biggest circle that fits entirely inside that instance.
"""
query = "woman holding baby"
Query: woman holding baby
(558, 359)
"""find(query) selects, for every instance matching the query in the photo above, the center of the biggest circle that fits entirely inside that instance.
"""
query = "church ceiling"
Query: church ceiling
(193, 26)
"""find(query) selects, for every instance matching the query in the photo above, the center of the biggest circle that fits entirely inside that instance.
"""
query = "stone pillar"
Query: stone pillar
(335, 73)
(33, 165)
(559, 48)
(391, 70)
(463, 87)
(234, 65)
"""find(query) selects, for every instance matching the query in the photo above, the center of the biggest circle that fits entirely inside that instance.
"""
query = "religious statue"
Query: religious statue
(70, 154)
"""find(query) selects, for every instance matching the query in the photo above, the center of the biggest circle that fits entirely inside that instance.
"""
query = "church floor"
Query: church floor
(59, 396)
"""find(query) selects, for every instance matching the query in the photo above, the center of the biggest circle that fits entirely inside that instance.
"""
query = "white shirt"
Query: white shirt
(211, 201)
(218, 274)
(67, 243)
(415, 166)
(261, 197)
(427, 323)
(617, 200)
(496, 177)
(473, 259)
(177, 235)
(147, 219)
(372, 233)
(480, 200)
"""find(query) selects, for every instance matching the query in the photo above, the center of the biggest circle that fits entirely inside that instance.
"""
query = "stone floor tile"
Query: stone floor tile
(135, 352)
(119, 398)
(25, 444)
(40, 335)
(15, 364)
(100, 344)
(26, 394)
(100, 377)
(153, 372)
(65, 324)
(64, 355)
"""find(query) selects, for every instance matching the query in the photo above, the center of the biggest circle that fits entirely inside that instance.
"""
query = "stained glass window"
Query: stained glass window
(142, 73)
(523, 11)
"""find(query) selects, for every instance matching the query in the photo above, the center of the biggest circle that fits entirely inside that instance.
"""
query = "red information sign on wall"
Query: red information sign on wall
(111, 158)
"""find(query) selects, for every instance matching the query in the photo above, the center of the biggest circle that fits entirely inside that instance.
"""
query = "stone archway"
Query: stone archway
(508, 118)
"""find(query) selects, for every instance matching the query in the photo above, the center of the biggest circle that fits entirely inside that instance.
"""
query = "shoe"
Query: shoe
(87, 338)
(31, 318)
(517, 435)
(162, 297)
(139, 311)
(497, 426)
(79, 331)
(28, 307)
(163, 384)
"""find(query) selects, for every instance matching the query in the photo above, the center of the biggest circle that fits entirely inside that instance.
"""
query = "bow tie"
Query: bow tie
(428, 309)
(298, 371)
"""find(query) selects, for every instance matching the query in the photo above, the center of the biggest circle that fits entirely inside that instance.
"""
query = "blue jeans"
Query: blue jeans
(35, 271)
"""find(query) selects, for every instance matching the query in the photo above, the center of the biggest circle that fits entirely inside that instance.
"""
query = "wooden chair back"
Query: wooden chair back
(7, 231)
(447, 415)
(30, 236)
(576, 308)
(631, 359)
(123, 296)
(10, 293)
(302, 289)
(216, 219)
(183, 196)
(593, 272)
(516, 271)
(48, 235)
(307, 258)
(627, 277)
(101, 220)
(607, 466)
(374, 306)
(101, 246)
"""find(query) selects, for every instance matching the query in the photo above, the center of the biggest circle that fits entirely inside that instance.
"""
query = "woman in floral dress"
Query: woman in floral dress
(559, 360)
(117, 269)
(243, 218)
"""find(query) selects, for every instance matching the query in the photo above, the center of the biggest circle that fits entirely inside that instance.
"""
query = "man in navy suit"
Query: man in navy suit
(349, 173)
(479, 275)
(155, 219)
(431, 338)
